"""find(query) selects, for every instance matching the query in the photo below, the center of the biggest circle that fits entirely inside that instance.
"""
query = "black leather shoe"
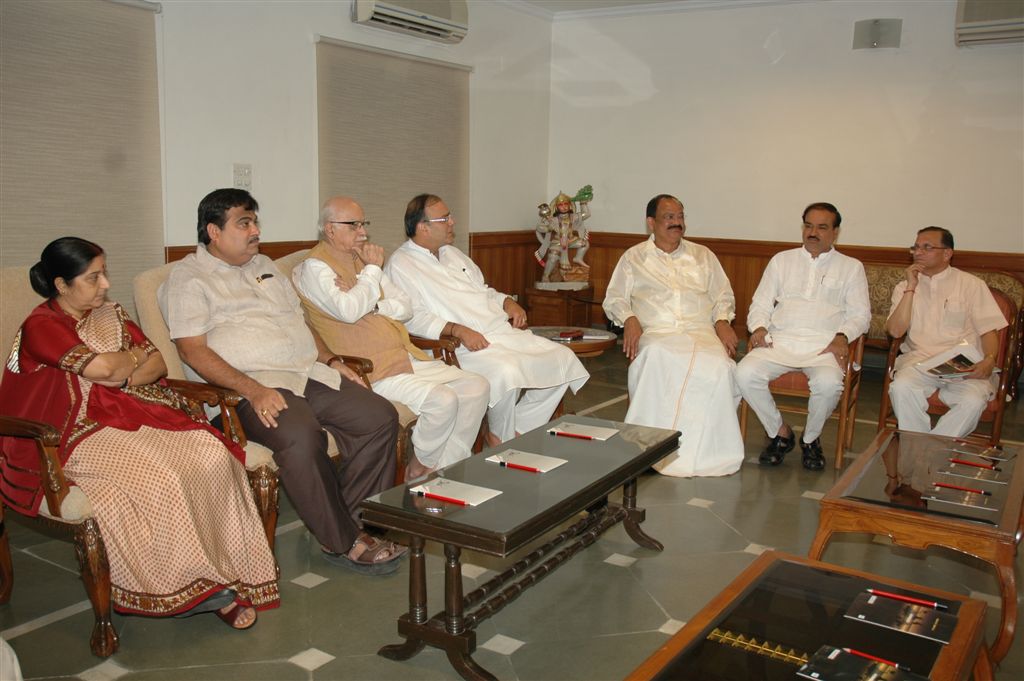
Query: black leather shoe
(776, 450)
(813, 459)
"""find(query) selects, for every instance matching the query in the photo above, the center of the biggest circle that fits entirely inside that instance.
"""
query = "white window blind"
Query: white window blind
(80, 133)
(391, 127)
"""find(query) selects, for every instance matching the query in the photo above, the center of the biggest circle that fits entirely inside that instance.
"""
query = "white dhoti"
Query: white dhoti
(687, 382)
(763, 365)
(450, 404)
(517, 360)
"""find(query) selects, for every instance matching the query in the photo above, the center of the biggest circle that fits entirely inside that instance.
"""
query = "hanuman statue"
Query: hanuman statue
(563, 229)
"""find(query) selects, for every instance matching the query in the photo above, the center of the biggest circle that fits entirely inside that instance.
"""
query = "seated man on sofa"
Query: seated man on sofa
(356, 309)
(938, 306)
(237, 323)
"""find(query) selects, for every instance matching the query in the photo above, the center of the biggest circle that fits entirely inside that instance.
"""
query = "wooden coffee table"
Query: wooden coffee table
(880, 494)
(530, 506)
(783, 608)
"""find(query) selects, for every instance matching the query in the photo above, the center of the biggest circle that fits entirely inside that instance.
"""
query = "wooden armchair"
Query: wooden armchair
(993, 413)
(794, 384)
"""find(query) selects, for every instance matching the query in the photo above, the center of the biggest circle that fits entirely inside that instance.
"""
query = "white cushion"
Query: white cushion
(75, 507)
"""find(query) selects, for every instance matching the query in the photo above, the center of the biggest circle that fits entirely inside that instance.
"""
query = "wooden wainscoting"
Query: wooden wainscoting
(271, 249)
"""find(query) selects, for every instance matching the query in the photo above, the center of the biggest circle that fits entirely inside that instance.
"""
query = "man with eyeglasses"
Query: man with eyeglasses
(811, 302)
(449, 296)
(357, 310)
(675, 304)
(237, 323)
(937, 306)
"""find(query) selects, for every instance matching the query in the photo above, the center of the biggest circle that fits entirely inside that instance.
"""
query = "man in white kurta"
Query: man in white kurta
(675, 303)
(938, 306)
(449, 296)
(811, 302)
(358, 310)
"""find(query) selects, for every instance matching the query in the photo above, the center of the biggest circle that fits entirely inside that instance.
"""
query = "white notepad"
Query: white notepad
(460, 493)
(515, 459)
(583, 432)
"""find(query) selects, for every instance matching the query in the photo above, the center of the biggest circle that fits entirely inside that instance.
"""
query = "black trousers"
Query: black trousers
(365, 426)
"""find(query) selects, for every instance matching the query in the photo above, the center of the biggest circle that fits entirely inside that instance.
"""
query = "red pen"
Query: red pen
(907, 599)
(991, 467)
(963, 489)
(518, 466)
(873, 658)
(561, 433)
(447, 500)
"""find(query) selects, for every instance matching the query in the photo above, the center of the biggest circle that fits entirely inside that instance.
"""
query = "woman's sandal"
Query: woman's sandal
(235, 613)
(212, 603)
(377, 557)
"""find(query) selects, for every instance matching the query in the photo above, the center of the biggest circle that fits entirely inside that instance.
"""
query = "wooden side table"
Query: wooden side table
(855, 504)
(559, 308)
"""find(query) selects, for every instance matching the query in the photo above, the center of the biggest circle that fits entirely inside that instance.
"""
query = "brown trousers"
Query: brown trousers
(365, 426)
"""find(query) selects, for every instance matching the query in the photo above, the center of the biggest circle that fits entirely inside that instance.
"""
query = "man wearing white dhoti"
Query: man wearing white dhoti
(938, 306)
(811, 302)
(675, 303)
(449, 296)
(356, 309)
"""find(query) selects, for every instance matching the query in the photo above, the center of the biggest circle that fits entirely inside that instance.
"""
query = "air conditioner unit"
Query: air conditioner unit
(980, 22)
(446, 21)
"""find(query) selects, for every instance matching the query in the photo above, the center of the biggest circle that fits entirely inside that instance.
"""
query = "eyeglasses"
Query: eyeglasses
(355, 224)
(672, 217)
(927, 248)
(446, 218)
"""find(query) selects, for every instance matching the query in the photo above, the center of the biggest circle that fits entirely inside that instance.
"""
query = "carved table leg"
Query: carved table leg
(417, 603)
(92, 558)
(454, 619)
(635, 516)
(1008, 592)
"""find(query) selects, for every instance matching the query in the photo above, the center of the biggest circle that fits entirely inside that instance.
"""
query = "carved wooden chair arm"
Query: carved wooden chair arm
(51, 473)
(215, 396)
(360, 365)
(443, 348)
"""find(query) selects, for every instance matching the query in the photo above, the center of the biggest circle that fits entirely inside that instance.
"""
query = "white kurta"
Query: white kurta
(682, 377)
(452, 288)
(947, 308)
(803, 302)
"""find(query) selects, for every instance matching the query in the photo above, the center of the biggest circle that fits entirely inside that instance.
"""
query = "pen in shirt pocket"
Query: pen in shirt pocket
(260, 278)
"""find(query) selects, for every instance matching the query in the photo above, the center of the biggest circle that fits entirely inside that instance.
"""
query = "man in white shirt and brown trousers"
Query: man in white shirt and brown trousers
(938, 306)
(811, 302)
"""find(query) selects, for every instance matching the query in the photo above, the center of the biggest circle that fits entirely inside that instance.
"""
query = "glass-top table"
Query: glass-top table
(922, 490)
(530, 506)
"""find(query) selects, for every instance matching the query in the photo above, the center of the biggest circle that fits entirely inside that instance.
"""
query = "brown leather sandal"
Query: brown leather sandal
(377, 557)
(232, 616)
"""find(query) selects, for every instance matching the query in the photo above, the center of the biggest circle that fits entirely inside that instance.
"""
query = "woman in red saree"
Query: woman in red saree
(181, 529)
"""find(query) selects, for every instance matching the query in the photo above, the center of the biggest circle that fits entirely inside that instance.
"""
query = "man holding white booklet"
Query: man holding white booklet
(941, 308)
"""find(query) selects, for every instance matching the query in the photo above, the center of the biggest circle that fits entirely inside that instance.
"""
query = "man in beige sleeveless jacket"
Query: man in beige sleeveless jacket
(357, 310)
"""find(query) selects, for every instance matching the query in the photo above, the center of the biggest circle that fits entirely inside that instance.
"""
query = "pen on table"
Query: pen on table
(518, 466)
(986, 466)
(868, 656)
(562, 433)
(907, 599)
(438, 497)
(962, 489)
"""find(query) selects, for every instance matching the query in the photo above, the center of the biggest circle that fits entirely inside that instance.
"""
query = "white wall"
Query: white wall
(749, 114)
(238, 84)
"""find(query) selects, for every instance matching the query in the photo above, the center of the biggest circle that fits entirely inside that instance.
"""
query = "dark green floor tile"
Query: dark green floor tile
(593, 659)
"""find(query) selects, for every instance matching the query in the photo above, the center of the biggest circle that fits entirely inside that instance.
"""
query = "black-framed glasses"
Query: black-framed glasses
(351, 223)
(927, 248)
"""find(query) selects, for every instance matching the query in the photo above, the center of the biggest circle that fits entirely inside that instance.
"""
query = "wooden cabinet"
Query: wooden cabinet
(559, 308)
